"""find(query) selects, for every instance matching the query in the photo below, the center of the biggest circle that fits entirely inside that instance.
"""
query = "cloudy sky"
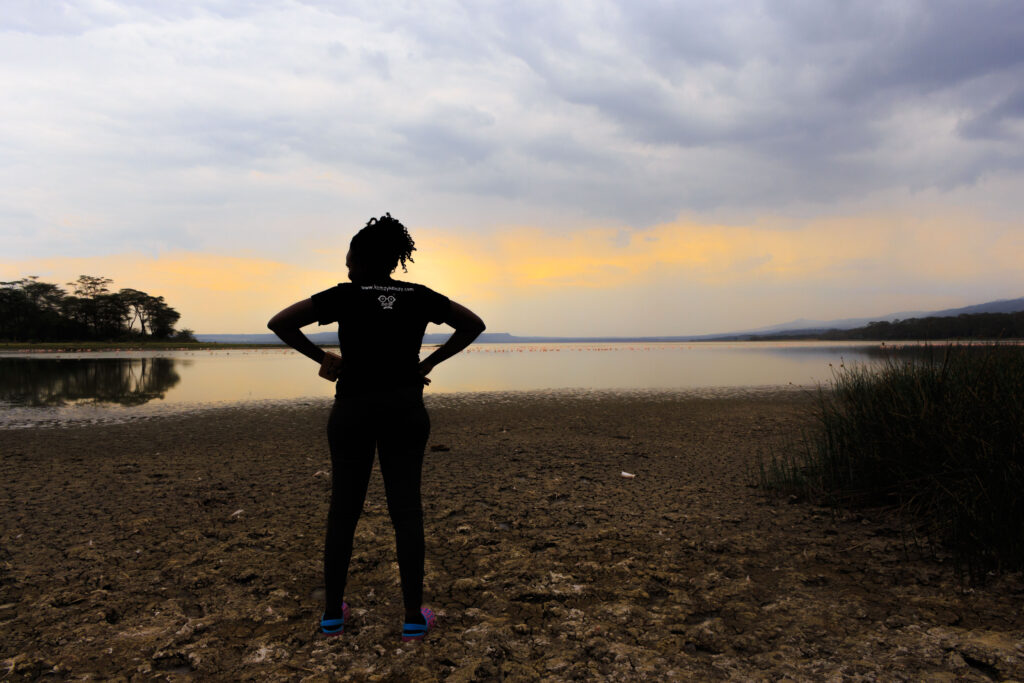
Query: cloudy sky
(576, 168)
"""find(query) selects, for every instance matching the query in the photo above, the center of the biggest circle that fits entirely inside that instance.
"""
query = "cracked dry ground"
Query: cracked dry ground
(188, 547)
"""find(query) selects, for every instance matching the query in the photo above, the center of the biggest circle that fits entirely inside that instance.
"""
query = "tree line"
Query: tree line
(963, 326)
(36, 311)
(989, 326)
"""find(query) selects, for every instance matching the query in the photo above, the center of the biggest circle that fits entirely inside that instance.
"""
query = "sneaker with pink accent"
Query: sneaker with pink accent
(335, 627)
(411, 632)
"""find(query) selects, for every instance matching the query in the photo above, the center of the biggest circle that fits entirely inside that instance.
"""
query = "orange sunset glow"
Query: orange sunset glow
(523, 276)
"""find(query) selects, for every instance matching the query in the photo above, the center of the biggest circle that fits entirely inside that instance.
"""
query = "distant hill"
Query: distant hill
(803, 326)
(966, 326)
(793, 328)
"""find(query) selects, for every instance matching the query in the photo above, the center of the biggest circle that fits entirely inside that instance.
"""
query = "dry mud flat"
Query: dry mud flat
(188, 547)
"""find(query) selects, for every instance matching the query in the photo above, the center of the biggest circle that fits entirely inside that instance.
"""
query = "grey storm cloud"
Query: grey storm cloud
(629, 111)
(809, 96)
(804, 87)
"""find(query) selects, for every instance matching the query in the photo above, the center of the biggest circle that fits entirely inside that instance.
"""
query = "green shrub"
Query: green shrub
(935, 430)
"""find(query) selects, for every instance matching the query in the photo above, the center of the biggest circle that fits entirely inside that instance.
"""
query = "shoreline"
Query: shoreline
(188, 546)
(92, 347)
(90, 413)
(89, 347)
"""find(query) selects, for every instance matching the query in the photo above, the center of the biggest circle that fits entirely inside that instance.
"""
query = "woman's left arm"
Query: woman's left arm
(288, 323)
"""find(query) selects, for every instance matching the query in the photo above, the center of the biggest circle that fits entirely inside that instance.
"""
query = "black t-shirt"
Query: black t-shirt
(380, 330)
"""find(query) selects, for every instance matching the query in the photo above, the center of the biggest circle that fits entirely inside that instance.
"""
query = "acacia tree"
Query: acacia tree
(111, 315)
(138, 309)
(16, 310)
(91, 287)
(90, 307)
(42, 294)
(32, 310)
(161, 318)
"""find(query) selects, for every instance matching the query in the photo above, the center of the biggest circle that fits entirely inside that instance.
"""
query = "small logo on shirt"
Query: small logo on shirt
(386, 301)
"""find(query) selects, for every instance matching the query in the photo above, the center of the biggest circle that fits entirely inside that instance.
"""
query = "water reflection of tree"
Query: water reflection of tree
(54, 382)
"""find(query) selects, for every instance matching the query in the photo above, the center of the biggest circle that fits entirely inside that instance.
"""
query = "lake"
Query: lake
(37, 388)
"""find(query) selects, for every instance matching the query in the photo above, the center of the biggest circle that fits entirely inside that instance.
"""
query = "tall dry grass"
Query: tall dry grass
(937, 431)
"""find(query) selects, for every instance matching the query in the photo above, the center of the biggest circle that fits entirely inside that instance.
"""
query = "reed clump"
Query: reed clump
(937, 431)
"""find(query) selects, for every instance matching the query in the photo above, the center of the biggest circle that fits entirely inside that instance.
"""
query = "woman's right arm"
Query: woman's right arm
(287, 325)
(468, 327)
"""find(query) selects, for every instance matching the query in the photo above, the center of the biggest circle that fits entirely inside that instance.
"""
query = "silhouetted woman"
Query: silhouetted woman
(378, 404)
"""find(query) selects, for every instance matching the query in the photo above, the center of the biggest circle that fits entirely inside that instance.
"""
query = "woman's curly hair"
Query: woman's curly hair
(384, 243)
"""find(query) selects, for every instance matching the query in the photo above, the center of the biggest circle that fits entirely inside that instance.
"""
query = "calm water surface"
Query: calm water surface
(40, 386)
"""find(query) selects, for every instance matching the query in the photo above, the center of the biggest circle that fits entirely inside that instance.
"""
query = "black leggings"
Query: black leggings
(395, 423)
